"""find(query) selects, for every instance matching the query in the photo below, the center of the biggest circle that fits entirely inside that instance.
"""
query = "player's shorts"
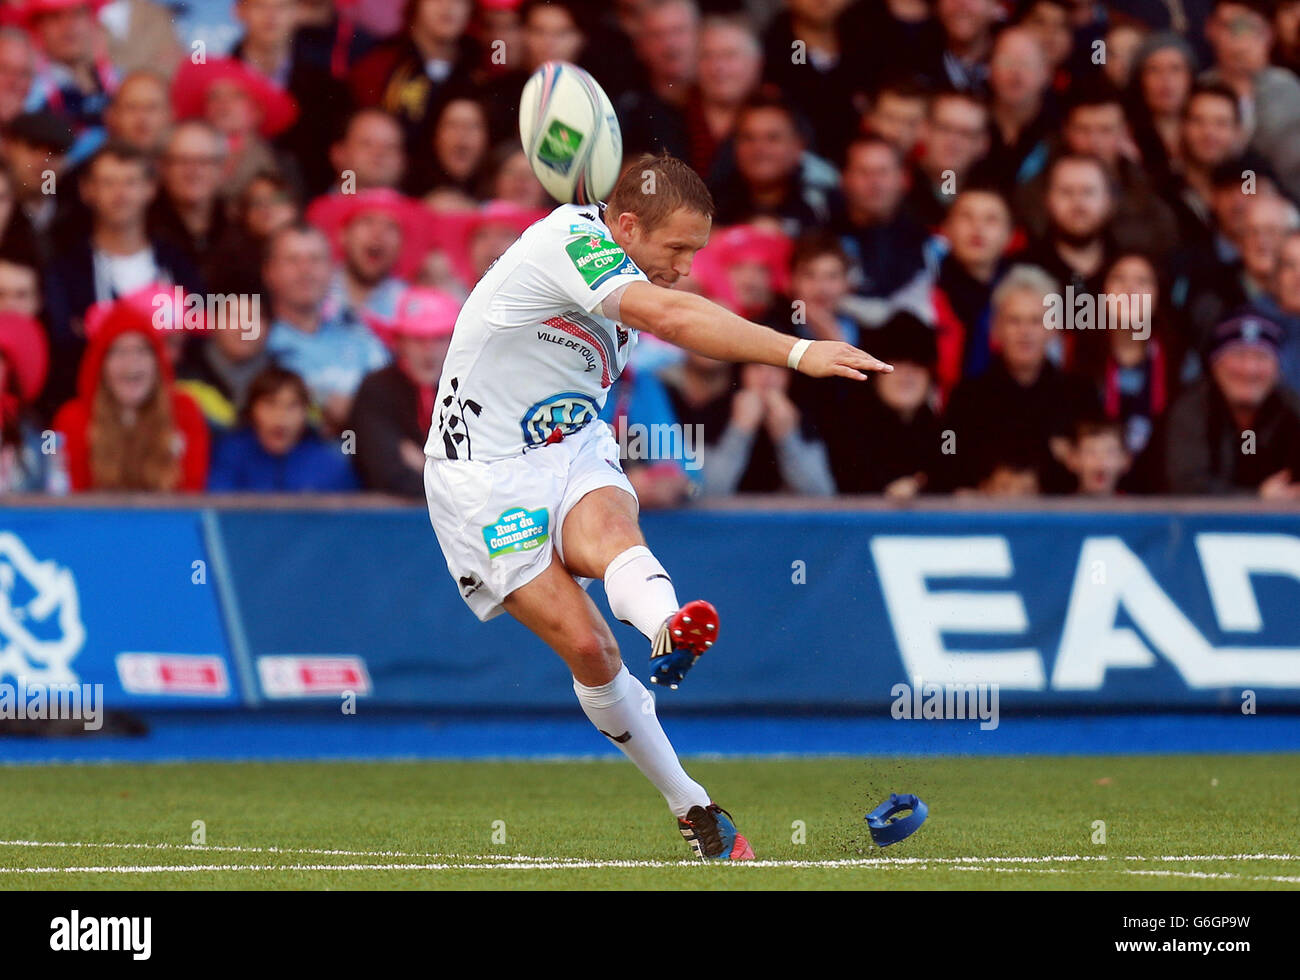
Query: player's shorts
(499, 522)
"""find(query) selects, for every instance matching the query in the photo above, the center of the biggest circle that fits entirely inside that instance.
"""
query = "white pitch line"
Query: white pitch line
(522, 862)
(242, 849)
(1220, 857)
(549, 866)
(1288, 879)
(239, 849)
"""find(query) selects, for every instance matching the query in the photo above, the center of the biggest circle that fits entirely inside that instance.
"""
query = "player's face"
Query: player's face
(665, 253)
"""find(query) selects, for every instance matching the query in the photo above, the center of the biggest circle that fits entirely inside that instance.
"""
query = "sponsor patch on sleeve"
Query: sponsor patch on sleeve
(598, 259)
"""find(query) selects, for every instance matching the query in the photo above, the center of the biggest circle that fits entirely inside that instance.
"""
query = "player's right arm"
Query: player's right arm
(700, 325)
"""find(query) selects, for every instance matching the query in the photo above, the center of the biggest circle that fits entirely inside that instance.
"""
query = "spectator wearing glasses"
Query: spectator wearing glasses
(954, 137)
(189, 211)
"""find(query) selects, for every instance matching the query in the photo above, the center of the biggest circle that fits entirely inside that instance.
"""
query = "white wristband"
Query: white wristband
(796, 353)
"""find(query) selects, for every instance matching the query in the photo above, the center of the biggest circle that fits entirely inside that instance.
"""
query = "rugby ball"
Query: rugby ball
(570, 133)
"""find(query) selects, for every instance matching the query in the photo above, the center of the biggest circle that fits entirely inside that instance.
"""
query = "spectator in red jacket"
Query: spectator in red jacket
(979, 230)
(129, 428)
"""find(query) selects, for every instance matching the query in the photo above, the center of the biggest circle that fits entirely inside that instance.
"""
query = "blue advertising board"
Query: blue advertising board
(125, 599)
(819, 610)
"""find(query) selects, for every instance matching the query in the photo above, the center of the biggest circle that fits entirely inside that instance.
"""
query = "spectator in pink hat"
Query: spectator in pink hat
(246, 107)
(379, 237)
(394, 405)
(745, 268)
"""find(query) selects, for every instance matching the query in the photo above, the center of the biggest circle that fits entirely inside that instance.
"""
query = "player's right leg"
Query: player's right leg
(602, 540)
(557, 609)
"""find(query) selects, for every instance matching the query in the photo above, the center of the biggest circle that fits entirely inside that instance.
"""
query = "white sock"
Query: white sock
(639, 590)
(624, 712)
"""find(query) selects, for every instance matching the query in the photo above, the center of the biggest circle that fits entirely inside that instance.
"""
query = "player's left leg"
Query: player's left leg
(563, 616)
(602, 539)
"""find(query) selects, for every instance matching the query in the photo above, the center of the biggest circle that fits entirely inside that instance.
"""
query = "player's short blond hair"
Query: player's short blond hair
(654, 187)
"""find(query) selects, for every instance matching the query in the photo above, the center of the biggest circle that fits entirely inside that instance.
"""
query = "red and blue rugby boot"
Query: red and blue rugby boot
(684, 635)
(713, 836)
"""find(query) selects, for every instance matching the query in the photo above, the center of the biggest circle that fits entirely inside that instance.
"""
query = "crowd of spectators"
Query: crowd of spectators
(1070, 225)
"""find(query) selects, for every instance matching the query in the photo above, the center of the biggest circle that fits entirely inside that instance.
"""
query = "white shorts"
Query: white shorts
(498, 522)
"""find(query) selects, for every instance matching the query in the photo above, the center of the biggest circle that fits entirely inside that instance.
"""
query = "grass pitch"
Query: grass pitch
(1170, 822)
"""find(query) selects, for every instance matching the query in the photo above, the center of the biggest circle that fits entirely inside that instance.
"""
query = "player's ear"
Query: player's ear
(627, 223)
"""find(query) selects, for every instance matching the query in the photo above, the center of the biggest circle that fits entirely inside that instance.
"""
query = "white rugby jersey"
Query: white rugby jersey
(530, 362)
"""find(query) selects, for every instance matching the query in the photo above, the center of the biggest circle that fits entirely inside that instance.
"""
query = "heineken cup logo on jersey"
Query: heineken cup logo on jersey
(559, 146)
(517, 529)
(597, 259)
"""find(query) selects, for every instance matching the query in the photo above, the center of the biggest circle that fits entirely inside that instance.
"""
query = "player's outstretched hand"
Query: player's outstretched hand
(833, 358)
